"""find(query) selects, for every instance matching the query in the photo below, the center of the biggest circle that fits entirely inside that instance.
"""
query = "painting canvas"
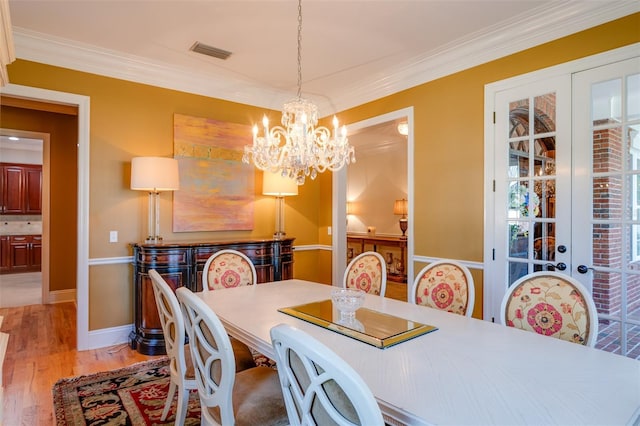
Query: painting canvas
(216, 188)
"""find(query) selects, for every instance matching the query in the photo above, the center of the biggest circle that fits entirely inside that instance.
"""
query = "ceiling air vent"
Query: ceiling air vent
(210, 50)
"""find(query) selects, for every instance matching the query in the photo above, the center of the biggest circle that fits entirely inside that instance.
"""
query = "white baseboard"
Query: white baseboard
(60, 296)
(109, 336)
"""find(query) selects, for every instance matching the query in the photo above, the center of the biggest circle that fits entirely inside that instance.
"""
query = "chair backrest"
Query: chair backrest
(551, 304)
(212, 356)
(172, 321)
(226, 269)
(318, 386)
(446, 285)
(367, 272)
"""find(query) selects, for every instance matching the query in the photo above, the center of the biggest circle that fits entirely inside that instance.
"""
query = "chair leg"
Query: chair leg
(183, 403)
(167, 404)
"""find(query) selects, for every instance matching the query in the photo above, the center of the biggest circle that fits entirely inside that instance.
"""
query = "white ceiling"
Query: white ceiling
(352, 51)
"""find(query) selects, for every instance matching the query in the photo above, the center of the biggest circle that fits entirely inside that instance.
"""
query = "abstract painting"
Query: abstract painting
(216, 189)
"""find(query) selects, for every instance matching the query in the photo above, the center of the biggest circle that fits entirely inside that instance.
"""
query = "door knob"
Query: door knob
(560, 266)
(583, 269)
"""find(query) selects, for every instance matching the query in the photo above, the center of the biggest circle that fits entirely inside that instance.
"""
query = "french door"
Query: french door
(567, 193)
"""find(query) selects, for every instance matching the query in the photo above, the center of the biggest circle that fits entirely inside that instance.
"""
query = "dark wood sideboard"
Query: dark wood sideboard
(181, 264)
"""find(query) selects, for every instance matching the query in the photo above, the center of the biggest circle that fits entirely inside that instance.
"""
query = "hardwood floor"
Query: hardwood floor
(41, 350)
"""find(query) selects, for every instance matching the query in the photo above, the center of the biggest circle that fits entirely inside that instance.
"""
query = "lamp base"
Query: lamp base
(153, 240)
(404, 224)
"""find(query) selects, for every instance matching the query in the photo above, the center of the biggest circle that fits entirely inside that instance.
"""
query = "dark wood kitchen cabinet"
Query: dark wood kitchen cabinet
(182, 265)
(21, 253)
(20, 188)
(5, 258)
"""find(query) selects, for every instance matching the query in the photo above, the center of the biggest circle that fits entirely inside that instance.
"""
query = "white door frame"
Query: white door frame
(339, 195)
(82, 283)
(491, 299)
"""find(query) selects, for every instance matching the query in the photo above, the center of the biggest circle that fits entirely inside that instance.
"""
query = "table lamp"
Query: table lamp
(154, 174)
(278, 186)
(400, 208)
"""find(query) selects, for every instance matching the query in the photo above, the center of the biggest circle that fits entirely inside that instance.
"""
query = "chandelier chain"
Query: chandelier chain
(299, 49)
(298, 148)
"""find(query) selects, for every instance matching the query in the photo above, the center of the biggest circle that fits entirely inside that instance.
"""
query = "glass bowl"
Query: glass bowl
(347, 301)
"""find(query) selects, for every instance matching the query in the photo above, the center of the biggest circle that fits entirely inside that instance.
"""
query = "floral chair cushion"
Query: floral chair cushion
(229, 270)
(550, 306)
(366, 275)
(444, 287)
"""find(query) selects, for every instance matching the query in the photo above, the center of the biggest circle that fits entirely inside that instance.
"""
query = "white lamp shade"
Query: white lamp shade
(277, 185)
(154, 174)
(400, 207)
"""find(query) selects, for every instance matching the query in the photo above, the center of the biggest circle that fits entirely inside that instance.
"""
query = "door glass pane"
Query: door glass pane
(633, 97)
(607, 150)
(607, 197)
(544, 241)
(606, 106)
(519, 118)
(633, 337)
(517, 270)
(609, 336)
(519, 239)
(607, 296)
(606, 245)
(632, 208)
(633, 137)
(518, 159)
(545, 110)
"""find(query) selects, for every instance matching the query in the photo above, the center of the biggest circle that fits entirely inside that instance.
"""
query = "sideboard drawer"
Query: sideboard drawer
(167, 257)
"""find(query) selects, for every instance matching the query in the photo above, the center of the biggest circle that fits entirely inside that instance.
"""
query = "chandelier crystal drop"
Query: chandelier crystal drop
(298, 148)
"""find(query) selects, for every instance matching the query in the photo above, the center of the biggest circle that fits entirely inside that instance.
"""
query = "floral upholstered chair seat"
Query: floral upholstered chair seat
(227, 269)
(445, 285)
(551, 304)
(367, 272)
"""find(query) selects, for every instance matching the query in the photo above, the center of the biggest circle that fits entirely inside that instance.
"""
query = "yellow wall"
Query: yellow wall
(449, 140)
(129, 119)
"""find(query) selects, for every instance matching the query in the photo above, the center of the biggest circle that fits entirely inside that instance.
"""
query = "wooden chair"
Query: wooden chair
(227, 269)
(250, 397)
(180, 366)
(367, 272)
(551, 304)
(319, 387)
(446, 285)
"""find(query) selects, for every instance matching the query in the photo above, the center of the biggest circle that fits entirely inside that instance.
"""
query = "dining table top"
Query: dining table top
(467, 372)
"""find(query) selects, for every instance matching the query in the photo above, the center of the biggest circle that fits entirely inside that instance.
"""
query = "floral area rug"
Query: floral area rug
(133, 395)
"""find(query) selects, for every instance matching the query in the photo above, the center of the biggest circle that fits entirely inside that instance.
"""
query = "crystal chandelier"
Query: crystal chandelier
(298, 148)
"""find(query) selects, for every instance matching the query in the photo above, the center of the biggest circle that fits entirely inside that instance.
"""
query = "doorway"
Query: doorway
(565, 149)
(27, 288)
(381, 124)
(80, 102)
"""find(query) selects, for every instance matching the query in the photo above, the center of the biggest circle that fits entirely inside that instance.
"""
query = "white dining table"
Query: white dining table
(467, 372)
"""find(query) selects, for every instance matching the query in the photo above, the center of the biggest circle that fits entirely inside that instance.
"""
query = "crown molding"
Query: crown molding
(528, 30)
(47, 49)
